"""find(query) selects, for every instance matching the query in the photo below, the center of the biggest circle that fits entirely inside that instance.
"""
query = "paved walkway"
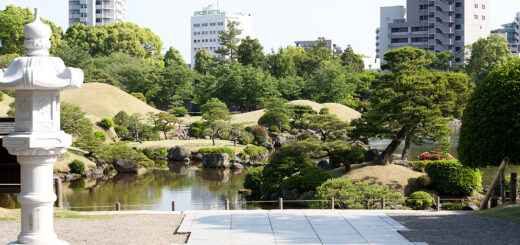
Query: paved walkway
(280, 227)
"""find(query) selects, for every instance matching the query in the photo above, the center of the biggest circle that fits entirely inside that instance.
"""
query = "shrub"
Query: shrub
(255, 151)
(121, 131)
(303, 136)
(178, 111)
(452, 178)
(253, 181)
(359, 195)
(420, 200)
(307, 180)
(197, 129)
(77, 167)
(119, 150)
(274, 129)
(100, 135)
(156, 155)
(424, 181)
(299, 110)
(274, 118)
(139, 96)
(453, 205)
(106, 123)
(260, 133)
(246, 138)
(491, 120)
(286, 128)
(209, 150)
(248, 129)
(419, 166)
(324, 111)
(346, 155)
(435, 155)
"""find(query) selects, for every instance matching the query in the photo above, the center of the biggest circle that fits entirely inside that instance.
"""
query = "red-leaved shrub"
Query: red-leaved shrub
(435, 155)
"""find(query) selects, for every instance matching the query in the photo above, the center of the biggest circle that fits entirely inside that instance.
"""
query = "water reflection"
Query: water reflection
(191, 187)
(415, 150)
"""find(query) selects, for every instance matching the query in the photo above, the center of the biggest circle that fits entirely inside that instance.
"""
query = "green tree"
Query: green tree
(73, 120)
(173, 57)
(328, 125)
(12, 22)
(333, 84)
(439, 61)
(216, 116)
(485, 55)
(411, 103)
(89, 142)
(251, 52)
(229, 41)
(491, 121)
(352, 60)
(163, 122)
(203, 62)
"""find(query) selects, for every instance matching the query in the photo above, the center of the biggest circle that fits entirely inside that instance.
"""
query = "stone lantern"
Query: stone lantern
(37, 139)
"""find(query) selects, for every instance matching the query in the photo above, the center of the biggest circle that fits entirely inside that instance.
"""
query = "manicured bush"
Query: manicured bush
(324, 111)
(100, 135)
(106, 123)
(274, 129)
(419, 166)
(435, 155)
(303, 136)
(307, 180)
(121, 131)
(209, 150)
(424, 181)
(274, 118)
(119, 150)
(358, 195)
(420, 200)
(452, 178)
(248, 129)
(156, 155)
(260, 133)
(77, 167)
(178, 111)
(139, 96)
(491, 120)
(197, 129)
(286, 128)
(299, 110)
(253, 181)
(255, 151)
(454, 205)
(346, 155)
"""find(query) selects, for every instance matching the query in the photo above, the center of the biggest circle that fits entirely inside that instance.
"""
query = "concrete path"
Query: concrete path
(280, 227)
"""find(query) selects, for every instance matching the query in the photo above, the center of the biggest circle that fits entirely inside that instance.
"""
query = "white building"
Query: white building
(206, 24)
(97, 12)
(336, 49)
(434, 25)
(511, 31)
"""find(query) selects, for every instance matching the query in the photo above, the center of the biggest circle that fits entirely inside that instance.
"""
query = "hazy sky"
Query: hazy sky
(275, 22)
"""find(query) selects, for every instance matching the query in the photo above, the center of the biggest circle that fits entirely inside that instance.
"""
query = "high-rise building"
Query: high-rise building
(511, 31)
(97, 12)
(434, 25)
(336, 49)
(205, 27)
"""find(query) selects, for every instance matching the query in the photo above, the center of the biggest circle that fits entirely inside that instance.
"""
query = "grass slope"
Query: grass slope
(399, 178)
(4, 105)
(505, 212)
(345, 113)
(102, 100)
(62, 163)
(192, 145)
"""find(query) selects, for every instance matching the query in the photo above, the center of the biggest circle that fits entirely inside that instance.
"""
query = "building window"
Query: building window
(204, 24)
(476, 17)
(457, 27)
(458, 4)
(476, 5)
(483, 6)
(196, 25)
(458, 16)
(457, 38)
(423, 17)
(483, 17)
(457, 49)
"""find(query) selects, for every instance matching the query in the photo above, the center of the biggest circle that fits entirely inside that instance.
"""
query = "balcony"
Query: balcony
(83, 11)
(74, 6)
(74, 15)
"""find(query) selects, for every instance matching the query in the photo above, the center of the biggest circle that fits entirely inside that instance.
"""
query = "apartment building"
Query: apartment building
(206, 24)
(96, 12)
(434, 25)
(511, 31)
(336, 49)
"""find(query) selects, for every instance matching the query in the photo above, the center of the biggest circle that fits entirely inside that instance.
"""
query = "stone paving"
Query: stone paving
(280, 227)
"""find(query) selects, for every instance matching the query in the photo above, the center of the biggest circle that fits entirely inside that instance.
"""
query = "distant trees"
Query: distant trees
(229, 41)
(251, 52)
(216, 117)
(352, 60)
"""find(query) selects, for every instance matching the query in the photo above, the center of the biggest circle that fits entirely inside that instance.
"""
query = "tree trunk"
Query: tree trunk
(165, 136)
(406, 149)
(213, 139)
(386, 157)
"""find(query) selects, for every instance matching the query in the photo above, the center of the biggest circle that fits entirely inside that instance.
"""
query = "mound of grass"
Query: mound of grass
(4, 105)
(192, 145)
(505, 212)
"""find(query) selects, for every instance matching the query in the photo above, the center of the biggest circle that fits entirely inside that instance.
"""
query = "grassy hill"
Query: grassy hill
(4, 105)
(102, 100)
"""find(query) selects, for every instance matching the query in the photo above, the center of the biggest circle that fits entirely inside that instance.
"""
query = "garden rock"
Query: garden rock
(125, 166)
(279, 141)
(237, 165)
(186, 160)
(215, 160)
(471, 206)
(178, 153)
(267, 146)
(324, 164)
(372, 155)
(404, 163)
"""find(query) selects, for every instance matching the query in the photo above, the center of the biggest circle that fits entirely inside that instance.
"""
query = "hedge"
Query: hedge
(450, 177)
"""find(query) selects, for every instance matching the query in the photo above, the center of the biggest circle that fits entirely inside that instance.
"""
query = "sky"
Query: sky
(275, 22)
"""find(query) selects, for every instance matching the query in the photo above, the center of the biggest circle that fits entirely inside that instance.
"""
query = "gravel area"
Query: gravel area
(458, 229)
(117, 229)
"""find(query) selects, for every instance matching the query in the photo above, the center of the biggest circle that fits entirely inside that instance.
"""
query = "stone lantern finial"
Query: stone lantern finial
(37, 35)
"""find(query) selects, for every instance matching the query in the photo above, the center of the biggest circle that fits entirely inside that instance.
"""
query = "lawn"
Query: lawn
(399, 178)
(505, 212)
(192, 145)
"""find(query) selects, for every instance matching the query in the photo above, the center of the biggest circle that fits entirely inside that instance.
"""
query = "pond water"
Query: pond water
(190, 186)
